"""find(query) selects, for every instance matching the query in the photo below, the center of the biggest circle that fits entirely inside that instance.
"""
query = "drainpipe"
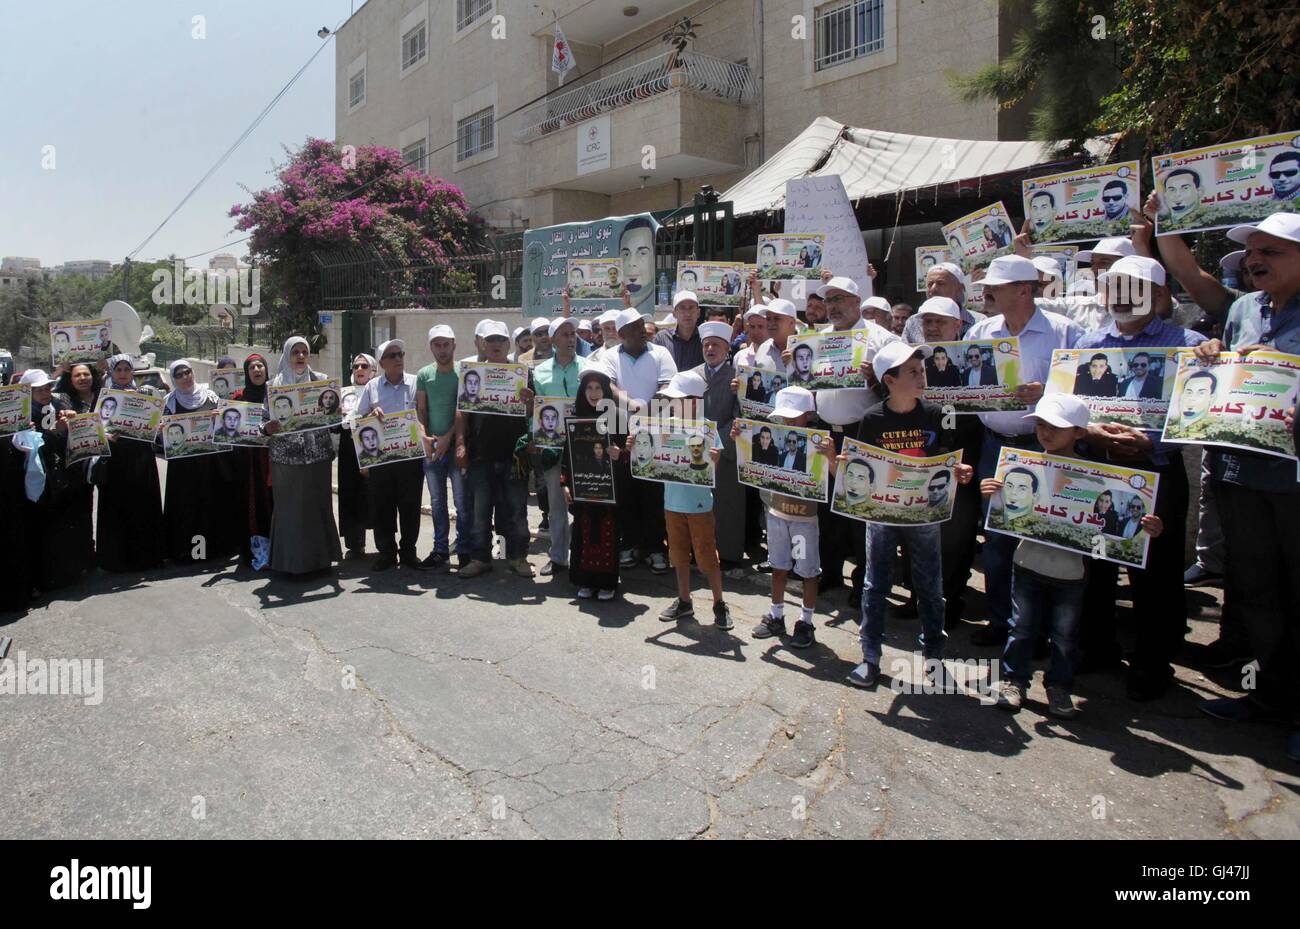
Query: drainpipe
(762, 97)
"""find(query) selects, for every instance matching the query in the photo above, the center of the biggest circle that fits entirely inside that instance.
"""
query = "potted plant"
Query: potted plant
(679, 36)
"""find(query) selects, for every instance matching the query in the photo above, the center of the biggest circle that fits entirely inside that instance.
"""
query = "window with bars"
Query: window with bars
(475, 134)
(468, 12)
(848, 30)
(414, 46)
(357, 89)
(415, 156)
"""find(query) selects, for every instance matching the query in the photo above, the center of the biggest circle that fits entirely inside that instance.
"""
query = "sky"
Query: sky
(137, 110)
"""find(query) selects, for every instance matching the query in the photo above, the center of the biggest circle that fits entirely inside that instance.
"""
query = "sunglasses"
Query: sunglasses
(1115, 199)
(361, 365)
(1278, 175)
(183, 372)
(392, 356)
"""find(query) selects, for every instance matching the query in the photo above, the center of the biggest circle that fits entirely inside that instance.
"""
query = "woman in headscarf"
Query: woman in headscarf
(129, 531)
(354, 502)
(304, 536)
(594, 539)
(199, 490)
(253, 466)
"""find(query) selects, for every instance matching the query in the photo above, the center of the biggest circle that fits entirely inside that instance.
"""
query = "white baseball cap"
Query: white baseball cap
(685, 384)
(1118, 246)
(1047, 265)
(878, 303)
(953, 269)
(1139, 266)
(478, 329)
(1010, 269)
(782, 307)
(541, 322)
(584, 325)
(716, 330)
(556, 323)
(1232, 260)
(1061, 410)
(391, 343)
(940, 306)
(682, 296)
(442, 331)
(846, 284)
(492, 327)
(35, 378)
(893, 354)
(627, 317)
(792, 402)
(609, 316)
(758, 309)
(1283, 225)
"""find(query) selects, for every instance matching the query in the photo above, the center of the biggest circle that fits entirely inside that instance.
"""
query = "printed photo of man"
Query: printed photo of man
(766, 258)
(1182, 192)
(1114, 200)
(108, 409)
(940, 371)
(1284, 174)
(221, 387)
(175, 436)
(643, 449)
(1097, 380)
(369, 437)
(231, 420)
(801, 365)
(793, 457)
(936, 490)
(977, 373)
(1196, 398)
(282, 409)
(1019, 492)
(859, 478)
(696, 446)
(470, 385)
(1042, 212)
(548, 419)
(1142, 383)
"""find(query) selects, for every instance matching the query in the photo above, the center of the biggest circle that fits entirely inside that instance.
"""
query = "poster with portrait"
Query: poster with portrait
(225, 381)
(716, 283)
(788, 256)
(1130, 387)
(397, 437)
(677, 452)
(757, 389)
(306, 407)
(15, 408)
(974, 376)
(86, 438)
(495, 389)
(927, 256)
(827, 360)
(130, 414)
(1065, 256)
(977, 238)
(784, 459)
(1234, 401)
(548, 251)
(239, 423)
(349, 396)
(880, 486)
(594, 279)
(189, 435)
(549, 416)
(73, 340)
(591, 469)
(1227, 185)
(1082, 205)
(1086, 507)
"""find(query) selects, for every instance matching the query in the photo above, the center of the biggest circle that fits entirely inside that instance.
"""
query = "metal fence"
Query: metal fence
(207, 343)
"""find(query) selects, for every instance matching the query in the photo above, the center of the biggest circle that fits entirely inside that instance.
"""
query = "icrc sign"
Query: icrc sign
(594, 146)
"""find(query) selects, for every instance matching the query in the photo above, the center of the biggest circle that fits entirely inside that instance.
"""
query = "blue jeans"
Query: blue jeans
(923, 546)
(1035, 600)
(999, 548)
(436, 475)
(494, 487)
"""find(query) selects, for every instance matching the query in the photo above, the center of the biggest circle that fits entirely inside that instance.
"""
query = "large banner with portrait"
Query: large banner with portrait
(784, 257)
(548, 252)
(591, 469)
(716, 283)
(239, 423)
(827, 360)
(756, 389)
(1082, 205)
(1128, 386)
(495, 389)
(307, 406)
(130, 414)
(226, 381)
(74, 340)
(86, 438)
(188, 435)
(1080, 506)
(1235, 401)
(927, 256)
(974, 376)
(1227, 185)
(676, 452)
(549, 417)
(977, 238)
(784, 459)
(15, 408)
(397, 437)
(879, 486)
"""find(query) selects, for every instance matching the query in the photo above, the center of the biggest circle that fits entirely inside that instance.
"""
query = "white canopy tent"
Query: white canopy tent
(873, 163)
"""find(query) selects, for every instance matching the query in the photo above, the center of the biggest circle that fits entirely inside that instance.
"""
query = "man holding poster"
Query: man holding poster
(1259, 494)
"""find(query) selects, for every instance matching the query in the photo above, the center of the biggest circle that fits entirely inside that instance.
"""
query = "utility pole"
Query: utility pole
(126, 280)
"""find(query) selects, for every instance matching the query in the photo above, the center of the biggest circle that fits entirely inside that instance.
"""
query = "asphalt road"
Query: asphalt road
(421, 705)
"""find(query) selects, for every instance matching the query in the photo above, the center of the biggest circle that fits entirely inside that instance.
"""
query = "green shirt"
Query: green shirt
(550, 379)
(439, 389)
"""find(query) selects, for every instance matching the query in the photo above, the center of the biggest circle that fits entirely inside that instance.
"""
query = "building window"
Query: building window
(415, 156)
(357, 89)
(413, 47)
(468, 12)
(475, 134)
(848, 30)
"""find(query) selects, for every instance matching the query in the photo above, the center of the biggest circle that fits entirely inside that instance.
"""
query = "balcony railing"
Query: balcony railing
(703, 74)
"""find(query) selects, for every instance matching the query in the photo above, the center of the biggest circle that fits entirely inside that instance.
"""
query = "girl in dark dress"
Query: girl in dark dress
(594, 539)
(354, 502)
(253, 466)
(129, 529)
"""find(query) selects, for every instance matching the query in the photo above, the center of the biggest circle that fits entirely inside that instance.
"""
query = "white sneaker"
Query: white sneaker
(607, 595)
(658, 563)
(586, 593)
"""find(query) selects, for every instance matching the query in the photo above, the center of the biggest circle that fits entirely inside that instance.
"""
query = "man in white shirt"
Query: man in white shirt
(1009, 292)
(943, 280)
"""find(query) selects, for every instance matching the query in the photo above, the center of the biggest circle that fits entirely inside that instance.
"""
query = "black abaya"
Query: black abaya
(129, 530)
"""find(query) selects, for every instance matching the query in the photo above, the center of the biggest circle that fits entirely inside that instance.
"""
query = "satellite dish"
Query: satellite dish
(125, 325)
(147, 334)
